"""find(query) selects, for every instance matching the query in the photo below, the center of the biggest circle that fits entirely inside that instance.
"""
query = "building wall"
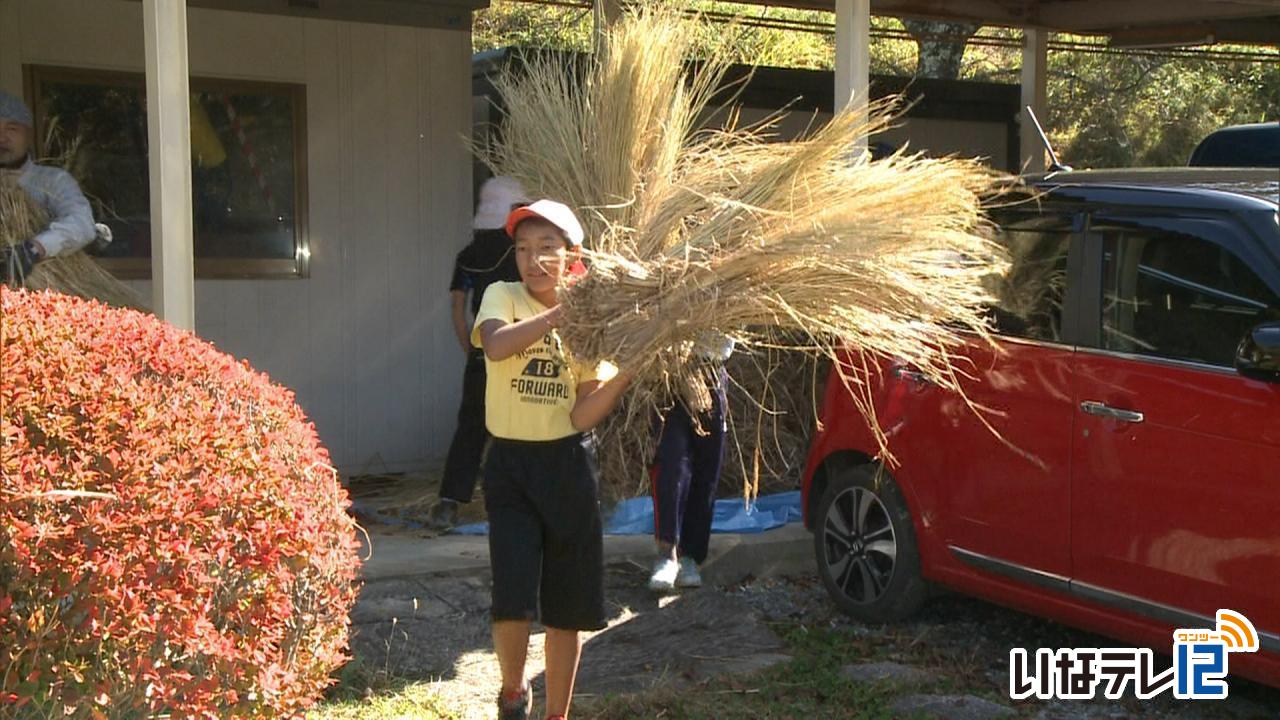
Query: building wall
(934, 136)
(365, 341)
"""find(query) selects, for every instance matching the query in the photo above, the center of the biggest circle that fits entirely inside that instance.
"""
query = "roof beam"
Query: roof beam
(1103, 15)
(1248, 21)
(445, 14)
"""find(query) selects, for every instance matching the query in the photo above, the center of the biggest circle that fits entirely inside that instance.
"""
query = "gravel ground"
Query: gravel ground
(967, 642)
(437, 629)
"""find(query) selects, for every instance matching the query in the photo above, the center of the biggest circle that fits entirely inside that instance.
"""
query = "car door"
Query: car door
(1175, 480)
(994, 463)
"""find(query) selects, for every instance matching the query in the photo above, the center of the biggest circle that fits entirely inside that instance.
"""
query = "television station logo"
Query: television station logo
(1199, 670)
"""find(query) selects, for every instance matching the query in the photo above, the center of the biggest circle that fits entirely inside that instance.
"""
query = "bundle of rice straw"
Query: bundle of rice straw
(73, 274)
(773, 397)
(703, 232)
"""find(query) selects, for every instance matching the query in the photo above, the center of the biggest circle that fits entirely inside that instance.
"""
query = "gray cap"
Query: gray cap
(12, 108)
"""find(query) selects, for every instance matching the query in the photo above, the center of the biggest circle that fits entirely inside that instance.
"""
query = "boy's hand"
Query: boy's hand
(555, 316)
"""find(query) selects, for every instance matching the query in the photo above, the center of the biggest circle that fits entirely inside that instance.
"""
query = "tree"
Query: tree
(941, 46)
(1106, 108)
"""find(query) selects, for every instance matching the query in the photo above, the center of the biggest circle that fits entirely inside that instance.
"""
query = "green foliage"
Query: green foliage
(1110, 109)
(1106, 109)
(804, 44)
(1126, 110)
(520, 24)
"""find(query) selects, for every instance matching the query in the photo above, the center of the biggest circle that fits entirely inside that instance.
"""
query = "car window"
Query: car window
(1178, 296)
(1029, 298)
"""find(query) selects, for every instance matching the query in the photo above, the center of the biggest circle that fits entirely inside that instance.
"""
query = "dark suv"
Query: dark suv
(1125, 473)
(1253, 145)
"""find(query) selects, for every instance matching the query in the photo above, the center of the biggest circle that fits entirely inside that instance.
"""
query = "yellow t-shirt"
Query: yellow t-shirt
(529, 395)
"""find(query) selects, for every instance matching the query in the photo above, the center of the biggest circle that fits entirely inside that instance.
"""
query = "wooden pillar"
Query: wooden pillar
(169, 151)
(604, 13)
(853, 55)
(1035, 53)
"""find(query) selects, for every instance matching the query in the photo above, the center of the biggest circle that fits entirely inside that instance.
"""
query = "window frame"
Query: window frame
(1074, 217)
(37, 75)
(1224, 230)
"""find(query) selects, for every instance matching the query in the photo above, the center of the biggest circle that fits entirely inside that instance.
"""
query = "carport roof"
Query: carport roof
(445, 14)
(1128, 22)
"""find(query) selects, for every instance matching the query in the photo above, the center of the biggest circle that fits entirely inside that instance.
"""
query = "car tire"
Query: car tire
(865, 545)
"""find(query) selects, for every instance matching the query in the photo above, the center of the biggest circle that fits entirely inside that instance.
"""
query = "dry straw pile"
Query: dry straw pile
(807, 245)
(74, 274)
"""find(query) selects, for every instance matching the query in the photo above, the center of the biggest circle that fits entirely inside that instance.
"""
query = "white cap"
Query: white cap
(557, 214)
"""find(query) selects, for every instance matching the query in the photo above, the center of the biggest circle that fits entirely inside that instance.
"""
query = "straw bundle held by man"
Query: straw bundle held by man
(74, 274)
(722, 232)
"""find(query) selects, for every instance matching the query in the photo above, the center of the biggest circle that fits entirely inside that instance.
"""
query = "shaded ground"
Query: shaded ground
(398, 503)
(761, 648)
(961, 647)
(439, 629)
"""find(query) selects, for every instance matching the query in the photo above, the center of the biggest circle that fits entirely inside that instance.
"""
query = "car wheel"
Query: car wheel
(866, 547)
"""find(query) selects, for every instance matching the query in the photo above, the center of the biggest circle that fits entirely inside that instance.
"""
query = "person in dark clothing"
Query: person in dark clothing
(487, 259)
(685, 474)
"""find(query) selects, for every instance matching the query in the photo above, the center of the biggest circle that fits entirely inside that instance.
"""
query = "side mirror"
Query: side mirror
(1258, 355)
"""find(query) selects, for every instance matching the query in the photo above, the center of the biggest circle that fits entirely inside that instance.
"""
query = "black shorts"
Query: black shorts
(546, 539)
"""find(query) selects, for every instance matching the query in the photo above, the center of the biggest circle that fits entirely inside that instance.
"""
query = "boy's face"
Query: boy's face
(542, 254)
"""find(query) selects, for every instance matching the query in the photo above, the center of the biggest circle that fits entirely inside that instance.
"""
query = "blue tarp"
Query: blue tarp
(635, 516)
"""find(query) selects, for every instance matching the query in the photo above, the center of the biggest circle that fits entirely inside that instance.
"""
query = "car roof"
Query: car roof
(1256, 144)
(1247, 128)
(1227, 187)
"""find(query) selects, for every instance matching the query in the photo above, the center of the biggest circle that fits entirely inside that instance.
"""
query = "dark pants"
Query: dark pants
(462, 465)
(546, 545)
(684, 476)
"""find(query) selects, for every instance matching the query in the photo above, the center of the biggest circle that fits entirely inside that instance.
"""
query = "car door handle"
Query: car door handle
(1096, 408)
(915, 376)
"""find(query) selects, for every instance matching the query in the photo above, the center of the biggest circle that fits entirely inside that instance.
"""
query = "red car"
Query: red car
(1132, 484)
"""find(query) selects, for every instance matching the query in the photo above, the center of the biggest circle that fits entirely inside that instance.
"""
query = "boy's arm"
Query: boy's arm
(596, 399)
(501, 340)
(460, 328)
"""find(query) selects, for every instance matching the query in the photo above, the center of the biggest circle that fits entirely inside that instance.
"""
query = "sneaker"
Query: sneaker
(516, 707)
(688, 576)
(443, 515)
(664, 574)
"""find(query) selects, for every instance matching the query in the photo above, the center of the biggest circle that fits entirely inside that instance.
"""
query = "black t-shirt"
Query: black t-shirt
(488, 258)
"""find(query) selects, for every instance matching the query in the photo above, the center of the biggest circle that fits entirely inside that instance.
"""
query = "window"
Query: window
(1178, 296)
(1030, 297)
(248, 144)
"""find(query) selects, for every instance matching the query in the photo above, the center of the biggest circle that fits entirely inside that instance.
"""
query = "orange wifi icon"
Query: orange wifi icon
(1237, 632)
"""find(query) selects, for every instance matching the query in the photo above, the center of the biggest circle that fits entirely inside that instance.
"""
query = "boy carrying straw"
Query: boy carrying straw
(540, 480)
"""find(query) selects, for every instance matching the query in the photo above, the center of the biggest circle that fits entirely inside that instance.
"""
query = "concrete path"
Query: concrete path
(399, 554)
(423, 609)
(423, 614)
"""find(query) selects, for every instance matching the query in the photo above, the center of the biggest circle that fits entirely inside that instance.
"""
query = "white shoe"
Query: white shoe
(664, 574)
(688, 576)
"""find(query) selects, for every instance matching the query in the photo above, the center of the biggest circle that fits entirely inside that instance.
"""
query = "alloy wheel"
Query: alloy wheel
(860, 545)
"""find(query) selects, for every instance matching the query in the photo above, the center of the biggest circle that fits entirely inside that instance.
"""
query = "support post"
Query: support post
(604, 13)
(853, 56)
(1035, 54)
(169, 161)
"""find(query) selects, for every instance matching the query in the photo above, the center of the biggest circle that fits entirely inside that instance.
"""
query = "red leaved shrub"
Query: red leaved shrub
(172, 536)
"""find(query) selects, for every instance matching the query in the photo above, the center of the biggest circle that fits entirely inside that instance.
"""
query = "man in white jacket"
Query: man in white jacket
(70, 216)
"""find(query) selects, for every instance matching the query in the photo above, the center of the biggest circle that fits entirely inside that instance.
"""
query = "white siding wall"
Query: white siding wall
(366, 340)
